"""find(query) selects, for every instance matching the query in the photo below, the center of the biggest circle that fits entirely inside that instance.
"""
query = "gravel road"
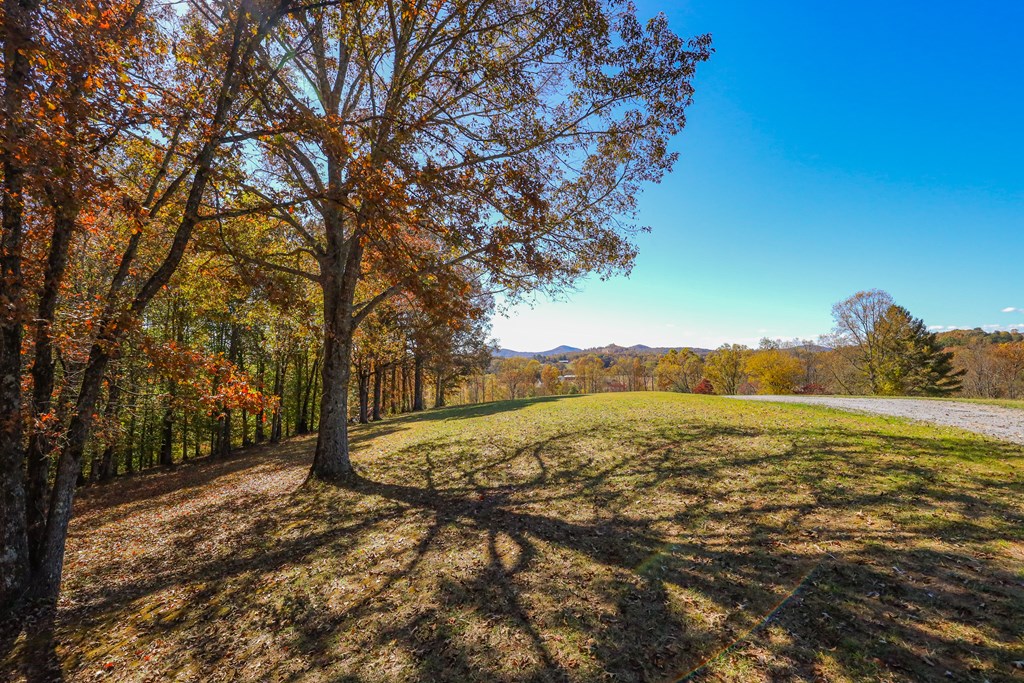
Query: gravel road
(1002, 423)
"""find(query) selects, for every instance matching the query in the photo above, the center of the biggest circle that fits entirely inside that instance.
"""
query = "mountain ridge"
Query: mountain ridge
(612, 349)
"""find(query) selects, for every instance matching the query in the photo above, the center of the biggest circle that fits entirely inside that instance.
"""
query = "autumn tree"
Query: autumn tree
(724, 368)
(679, 370)
(518, 375)
(132, 138)
(858, 335)
(1009, 357)
(889, 351)
(510, 134)
(550, 379)
(774, 371)
(589, 371)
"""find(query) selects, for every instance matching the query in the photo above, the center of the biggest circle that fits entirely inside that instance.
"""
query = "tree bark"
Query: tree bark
(167, 439)
(14, 547)
(439, 391)
(364, 393)
(108, 465)
(339, 274)
(417, 383)
(331, 459)
(378, 386)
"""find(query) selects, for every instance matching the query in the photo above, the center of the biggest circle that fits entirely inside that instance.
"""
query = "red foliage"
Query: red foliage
(704, 387)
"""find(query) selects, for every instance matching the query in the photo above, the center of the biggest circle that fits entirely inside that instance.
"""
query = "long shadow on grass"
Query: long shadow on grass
(634, 553)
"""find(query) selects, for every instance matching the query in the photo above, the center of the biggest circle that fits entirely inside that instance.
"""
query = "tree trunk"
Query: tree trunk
(378, 382)
(224, 443)
(40, 446)
(275, 424)
(331, 460)
(129, 454)
(167, 439)
(184, 436)
(439, 391)
(417, 383)
(261, 415)
(47, 578)
(14, 546)
(364, 393)
(108, 466)
(301, 398)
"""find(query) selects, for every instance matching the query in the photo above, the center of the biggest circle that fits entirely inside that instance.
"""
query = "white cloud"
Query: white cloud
(1011, 309)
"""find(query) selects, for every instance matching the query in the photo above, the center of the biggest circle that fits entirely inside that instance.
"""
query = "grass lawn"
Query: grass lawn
(1003, 402)
(616, 537)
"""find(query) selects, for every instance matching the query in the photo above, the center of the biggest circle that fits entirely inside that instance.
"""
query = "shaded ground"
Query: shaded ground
(983, 418)
(631, 537)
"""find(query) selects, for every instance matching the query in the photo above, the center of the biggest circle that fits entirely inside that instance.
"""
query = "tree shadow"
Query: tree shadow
(636, 552)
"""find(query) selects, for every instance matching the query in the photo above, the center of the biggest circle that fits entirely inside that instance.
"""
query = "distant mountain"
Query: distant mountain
(610, 350)
(557, 351)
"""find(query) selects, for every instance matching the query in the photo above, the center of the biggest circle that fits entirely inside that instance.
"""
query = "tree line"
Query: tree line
(876, 348)
(225, 221)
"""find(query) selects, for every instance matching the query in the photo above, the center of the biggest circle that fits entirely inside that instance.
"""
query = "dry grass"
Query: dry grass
(632, 537)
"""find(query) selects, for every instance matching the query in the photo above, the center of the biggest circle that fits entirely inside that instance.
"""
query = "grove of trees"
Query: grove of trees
(227, 221)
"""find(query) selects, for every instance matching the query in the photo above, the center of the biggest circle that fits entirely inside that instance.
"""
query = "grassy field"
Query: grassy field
(1002, 402)
(617, 537)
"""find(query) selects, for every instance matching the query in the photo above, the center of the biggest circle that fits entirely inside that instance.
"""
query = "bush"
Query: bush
(811, 389)
(704, 387)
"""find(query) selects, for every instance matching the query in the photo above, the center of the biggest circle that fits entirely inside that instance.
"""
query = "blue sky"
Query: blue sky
(832, 147)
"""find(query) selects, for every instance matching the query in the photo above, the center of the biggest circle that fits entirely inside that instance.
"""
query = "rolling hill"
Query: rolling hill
(634, 537)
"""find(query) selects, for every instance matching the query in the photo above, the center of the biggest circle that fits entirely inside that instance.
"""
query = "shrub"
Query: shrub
(704, 387)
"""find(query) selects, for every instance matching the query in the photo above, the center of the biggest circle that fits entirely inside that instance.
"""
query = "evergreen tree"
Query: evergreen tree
(912, 360)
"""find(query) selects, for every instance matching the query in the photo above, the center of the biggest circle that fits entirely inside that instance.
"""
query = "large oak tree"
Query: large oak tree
(510, 135)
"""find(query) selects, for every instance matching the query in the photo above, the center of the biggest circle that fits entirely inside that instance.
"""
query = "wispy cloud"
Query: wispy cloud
(1011, 309)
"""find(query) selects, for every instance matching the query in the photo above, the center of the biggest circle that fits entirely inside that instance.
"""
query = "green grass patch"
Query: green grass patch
(626, 537)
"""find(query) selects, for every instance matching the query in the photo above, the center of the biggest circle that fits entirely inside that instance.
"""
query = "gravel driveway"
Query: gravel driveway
(1002, 423)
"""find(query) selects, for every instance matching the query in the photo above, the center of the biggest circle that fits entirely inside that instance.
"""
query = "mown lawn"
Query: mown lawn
(623, 537)
(1002, 402)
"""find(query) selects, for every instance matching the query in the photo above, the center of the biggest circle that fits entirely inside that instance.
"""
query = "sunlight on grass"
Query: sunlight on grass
(634, 537)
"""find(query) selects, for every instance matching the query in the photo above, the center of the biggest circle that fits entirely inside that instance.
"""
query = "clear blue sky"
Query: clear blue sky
(832, 147)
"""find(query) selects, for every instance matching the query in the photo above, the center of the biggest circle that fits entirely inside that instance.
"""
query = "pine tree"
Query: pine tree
(912, 361)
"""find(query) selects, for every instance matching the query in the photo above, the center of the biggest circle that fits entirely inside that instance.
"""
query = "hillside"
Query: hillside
(570, 352)
(630, 537)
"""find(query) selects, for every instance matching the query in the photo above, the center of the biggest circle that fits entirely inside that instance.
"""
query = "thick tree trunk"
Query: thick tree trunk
(40, 445)
(167, 439)
(331, 460)
(417, 383)
(340, 273)
(14, 547)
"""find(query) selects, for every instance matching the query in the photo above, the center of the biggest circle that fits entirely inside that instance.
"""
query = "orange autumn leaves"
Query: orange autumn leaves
(203, 380)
